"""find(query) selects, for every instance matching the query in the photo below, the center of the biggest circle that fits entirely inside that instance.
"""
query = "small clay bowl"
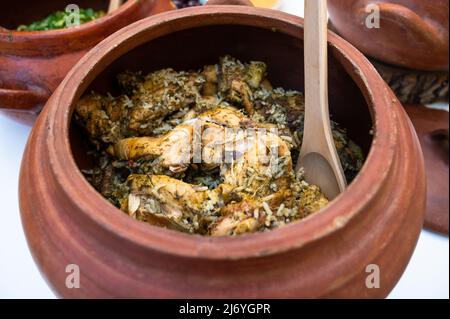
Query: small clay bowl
(33, 64)
(413, 33)
(376, 221)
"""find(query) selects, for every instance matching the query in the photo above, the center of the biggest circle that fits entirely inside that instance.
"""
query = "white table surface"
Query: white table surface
(427, 275)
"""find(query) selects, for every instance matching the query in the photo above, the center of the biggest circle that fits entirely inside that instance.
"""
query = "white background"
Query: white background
(427, 275)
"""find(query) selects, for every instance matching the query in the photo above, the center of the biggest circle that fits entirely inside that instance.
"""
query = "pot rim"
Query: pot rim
(13, 40)
(293, 236)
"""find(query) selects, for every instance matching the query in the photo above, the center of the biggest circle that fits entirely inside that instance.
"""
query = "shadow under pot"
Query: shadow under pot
(33, 63)
(376, 221)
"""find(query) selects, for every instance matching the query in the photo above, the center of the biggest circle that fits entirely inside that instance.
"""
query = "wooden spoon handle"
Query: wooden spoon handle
(316, 73)
(114, 5)
(318, 139)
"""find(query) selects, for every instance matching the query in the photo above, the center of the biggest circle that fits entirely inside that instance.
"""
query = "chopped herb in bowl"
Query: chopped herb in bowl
(58, 20)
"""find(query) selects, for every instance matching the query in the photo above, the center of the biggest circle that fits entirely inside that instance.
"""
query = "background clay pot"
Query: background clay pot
(376, 221)
(432, 128)
(413, 33)
(411, 48)
(33, 64)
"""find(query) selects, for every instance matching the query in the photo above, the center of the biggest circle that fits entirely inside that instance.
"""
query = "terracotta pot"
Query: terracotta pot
(33, 64)
(376, 221)
(432, 128)
(413, 33)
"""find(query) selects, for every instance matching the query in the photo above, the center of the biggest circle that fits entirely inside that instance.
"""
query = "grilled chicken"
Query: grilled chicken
(159, 95)
(216, 137)
(258, 172)
(236, 81)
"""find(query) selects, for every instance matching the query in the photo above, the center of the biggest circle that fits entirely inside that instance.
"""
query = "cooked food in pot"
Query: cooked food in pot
(207, 152)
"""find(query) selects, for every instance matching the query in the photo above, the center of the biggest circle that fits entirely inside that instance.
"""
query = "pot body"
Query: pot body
(412, 33)
(33, 64)
(373, 226)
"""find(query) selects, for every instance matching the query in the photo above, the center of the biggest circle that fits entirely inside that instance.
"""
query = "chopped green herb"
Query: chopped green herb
(57, 20)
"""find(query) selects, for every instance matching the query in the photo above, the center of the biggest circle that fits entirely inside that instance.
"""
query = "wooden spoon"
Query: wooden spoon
(114, 5)
(318, 155)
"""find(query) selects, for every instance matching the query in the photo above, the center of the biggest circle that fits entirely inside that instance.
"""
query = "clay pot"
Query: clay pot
(376, 221)
(412, 34)
(432, 128)
(33, 64)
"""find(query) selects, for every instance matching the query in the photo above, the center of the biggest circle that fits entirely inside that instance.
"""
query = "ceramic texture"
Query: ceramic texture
(432, 127)
(376, 221)
(413, 33)
(33, 64)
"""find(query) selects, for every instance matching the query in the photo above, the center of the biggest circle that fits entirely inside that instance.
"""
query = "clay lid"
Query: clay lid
(411, 33)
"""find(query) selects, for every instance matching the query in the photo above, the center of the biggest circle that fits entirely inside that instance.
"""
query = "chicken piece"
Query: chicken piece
(280, 107)
(177, 146)
(236, 81)
(211, 86)
(311, 200)
(95, 120)
(162, 93)
(170, 148)
(167, 202)
(246, 206)
(151, 99)
(224, 116)
(264, 151)
(181, 195)
(235, 224)
(89, 104)
(162, 200)
(261, 163)
(255, 74)
(249, 215)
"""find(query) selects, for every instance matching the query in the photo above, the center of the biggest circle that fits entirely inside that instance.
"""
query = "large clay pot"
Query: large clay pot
(376, 221)
(33, 64)
(412, 34)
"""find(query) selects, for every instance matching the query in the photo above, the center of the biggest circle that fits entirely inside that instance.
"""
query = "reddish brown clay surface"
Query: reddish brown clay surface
(33, 64)
(376, 221)
(413, 33)
(432, 128)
